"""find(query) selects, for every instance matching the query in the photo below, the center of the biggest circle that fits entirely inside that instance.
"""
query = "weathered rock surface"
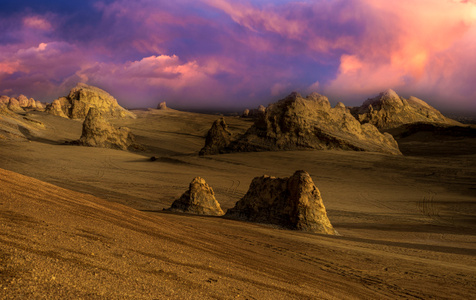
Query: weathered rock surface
(97, 132)
(14, 105)
(162, 105)
(294, 203)
(388, 110)
(76, 105)
(218, 138)
(198, 199)
(56, 108)
(4, 99)
(297, 123)
(23, 101)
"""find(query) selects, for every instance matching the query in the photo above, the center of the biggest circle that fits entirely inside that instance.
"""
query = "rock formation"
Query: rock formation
(99, 133)
(297, 123)
(14, 105)
(254, 113)
(23, 101)
(198, 199)
(388, 110)
(4, 99)
(162, 105)
(40, 106)
(218, 138)
(293, 203)
(55, 108)
(76, 105)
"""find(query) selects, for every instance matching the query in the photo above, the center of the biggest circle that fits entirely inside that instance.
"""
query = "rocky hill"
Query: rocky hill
(76, 105)
(293, 203)
(389, 110)
(297, 123)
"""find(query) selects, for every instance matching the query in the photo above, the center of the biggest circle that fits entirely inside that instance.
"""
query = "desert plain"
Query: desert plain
(88, 223)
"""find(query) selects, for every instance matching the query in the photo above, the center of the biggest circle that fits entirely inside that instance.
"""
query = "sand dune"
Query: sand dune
(85, 222)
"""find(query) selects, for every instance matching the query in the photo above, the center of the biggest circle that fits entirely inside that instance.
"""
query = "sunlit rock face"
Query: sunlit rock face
(297, 123)
(82, 97)
(97, 132)
(198, 199)
(294, 203)
(14, 105)
(388, 110)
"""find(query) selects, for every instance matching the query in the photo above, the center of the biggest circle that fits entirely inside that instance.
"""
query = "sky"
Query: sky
(223, 54)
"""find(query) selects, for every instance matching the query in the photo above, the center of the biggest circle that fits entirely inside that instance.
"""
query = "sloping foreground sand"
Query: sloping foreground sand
(56, 244)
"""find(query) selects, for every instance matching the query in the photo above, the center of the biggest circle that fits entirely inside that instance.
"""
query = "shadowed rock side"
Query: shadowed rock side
(76, 105)
(388, 110)
(99, 133)
(293, 203)
(198, 199)
(297, 123)
(218, 138)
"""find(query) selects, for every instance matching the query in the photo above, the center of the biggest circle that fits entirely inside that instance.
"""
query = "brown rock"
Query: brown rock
(254, 113)
(99, 133)
(162, 105)
(76, 105)
(198, 199)
(294, 203)
(218, 138)
(40, 106)
(14, 105)
(4, 99)
(56, 108)
(23, 101)
(296, 123)
(388, 110)
(31, 103)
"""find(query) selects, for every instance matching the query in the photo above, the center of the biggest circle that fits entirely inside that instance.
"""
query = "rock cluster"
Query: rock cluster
(21, 103)
(218, 138)
(76, 105)
(198, 199)
(388, 110)
(254, 113)
(297, 123)
(97, 132)
(294, 203)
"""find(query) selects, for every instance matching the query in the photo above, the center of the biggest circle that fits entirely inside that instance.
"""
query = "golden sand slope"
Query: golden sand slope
(56, 243)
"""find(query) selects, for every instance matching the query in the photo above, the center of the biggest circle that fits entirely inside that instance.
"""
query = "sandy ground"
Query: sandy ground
(88, 222)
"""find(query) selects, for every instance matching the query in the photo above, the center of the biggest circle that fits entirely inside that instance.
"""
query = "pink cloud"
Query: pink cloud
(37, 22)
(423, 55)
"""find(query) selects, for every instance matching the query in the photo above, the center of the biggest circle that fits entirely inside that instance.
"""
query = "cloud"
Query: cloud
(241, 53)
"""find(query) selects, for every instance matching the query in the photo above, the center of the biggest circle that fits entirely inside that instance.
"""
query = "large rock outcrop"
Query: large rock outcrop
(198, 199)
(389, 110)
(97, 132)
(218, 138)
(294, 203)
(14, 105)
(297, 123)
(76, 105)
